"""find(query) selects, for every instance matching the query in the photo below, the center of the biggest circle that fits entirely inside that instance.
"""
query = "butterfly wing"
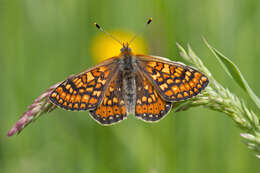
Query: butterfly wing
(85, 90)
(112, 109)
(149, 104)
(174, 81)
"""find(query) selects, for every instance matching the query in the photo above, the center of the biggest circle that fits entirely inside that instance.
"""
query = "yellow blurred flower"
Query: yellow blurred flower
(104, 47)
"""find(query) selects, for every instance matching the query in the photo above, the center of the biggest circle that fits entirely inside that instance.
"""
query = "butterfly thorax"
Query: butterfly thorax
(127, 67)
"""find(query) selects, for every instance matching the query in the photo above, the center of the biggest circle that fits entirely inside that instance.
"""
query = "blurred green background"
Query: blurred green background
(44, 41)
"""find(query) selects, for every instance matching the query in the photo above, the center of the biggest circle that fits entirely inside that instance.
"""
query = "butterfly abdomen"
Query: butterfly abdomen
(128, 68)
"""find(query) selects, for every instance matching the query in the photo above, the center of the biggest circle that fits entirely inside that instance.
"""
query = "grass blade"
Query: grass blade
(233, 71)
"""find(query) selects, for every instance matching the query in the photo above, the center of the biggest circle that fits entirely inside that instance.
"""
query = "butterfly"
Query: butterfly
(146, 86)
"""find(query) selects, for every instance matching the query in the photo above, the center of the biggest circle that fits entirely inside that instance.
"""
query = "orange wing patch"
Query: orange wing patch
(175, 82)
(112, 109)
(149, 105)
(84, 91)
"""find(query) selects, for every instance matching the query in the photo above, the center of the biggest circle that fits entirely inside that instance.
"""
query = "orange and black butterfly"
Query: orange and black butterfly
(146, 86)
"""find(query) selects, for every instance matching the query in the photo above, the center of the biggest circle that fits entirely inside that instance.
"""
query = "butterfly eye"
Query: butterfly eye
(125, 49)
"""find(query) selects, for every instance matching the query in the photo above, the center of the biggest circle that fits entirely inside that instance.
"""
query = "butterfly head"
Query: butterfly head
(126, 49)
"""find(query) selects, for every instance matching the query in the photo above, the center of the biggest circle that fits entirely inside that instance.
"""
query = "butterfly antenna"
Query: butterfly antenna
(147, 23)
(110, 35)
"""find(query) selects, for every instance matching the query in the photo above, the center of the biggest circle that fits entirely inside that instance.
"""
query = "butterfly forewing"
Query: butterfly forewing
(85, 90)
(174, 81)
(112, 109)
(149, 105)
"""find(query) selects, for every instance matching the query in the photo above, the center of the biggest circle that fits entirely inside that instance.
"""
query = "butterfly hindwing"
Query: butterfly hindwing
(85, 90)
(149, 104)
(174, 81)
(112, 109)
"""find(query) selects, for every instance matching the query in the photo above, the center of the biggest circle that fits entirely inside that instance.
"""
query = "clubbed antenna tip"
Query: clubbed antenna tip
(149, 21)
(96, 25)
